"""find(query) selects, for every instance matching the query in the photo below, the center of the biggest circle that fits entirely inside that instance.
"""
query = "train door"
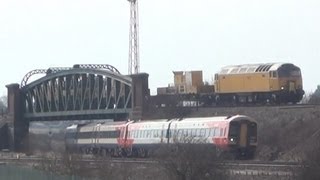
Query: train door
(98, 133)
(243, 134)
(95, 135)
(92, 137)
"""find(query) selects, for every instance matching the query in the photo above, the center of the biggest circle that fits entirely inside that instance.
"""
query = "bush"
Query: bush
(311, 165)
(190, 160)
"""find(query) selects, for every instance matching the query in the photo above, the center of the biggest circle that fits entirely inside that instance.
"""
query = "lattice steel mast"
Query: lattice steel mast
(134, 64)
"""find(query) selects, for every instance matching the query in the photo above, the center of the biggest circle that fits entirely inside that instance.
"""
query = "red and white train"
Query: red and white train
(235, 134)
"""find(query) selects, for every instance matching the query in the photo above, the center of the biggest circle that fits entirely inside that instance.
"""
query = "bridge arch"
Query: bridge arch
(81, 92)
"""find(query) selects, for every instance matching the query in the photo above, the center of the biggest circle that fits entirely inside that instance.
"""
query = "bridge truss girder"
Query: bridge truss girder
(78, 92)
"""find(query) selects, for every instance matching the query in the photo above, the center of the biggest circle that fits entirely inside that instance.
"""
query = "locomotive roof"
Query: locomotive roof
(251, 68)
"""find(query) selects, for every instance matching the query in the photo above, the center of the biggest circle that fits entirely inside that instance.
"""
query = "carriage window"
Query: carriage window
(190, 132)
(149, 133)
(180, 133)
(154, 134)
(216, 132)
(193, 132)
(144, 134)
(202, 132)
(168, 133)
(185, 132)
(211, 132)
(198, 132)
(207, 133)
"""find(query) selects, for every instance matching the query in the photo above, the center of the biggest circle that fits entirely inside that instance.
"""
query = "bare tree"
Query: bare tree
(314, 98)
(311, 164)
(3, 104)
(190, 159)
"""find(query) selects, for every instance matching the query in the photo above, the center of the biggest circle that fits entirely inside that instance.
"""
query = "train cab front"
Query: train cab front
(242, 138)
(290, 82)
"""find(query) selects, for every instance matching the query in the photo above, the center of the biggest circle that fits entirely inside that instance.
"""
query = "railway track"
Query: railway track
(195, 105)
(263, 168)
(299, 106)
(233, 167)
(284, 106)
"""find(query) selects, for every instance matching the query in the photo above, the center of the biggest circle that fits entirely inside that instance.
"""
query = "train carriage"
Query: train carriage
(145, 136)
(108, 137)
(235, 134)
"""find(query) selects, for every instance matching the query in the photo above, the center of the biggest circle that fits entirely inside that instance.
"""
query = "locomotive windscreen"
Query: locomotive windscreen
(289, 70)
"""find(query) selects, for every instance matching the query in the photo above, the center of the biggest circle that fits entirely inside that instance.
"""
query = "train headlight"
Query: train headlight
(231, 139)
(282, 88)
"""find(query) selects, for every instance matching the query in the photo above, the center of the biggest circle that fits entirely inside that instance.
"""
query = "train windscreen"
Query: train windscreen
(234, 132)
(252, 132)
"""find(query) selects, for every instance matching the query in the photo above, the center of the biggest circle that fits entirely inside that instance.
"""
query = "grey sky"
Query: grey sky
(174, 35)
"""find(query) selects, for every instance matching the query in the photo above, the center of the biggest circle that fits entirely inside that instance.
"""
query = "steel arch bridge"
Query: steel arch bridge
(83, 91)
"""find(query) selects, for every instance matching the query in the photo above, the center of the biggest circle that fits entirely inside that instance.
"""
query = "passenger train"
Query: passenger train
(232, 134)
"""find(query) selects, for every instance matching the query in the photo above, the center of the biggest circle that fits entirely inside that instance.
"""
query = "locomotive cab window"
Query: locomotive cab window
(273, 74)
(216, 77)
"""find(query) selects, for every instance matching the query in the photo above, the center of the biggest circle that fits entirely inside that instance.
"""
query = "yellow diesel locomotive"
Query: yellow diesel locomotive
(259, 83)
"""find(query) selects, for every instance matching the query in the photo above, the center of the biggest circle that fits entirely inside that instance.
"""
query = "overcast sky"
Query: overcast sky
(174, 35)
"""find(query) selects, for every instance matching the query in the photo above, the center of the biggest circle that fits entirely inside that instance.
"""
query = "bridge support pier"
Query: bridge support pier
(140, 95)
(17, 125)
